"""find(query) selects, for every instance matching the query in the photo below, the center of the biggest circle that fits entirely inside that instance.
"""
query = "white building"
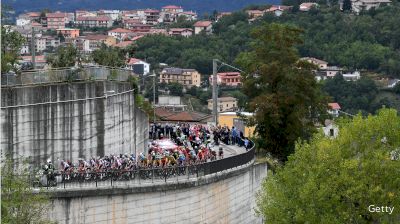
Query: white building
(334, 109)
(138, 66)
(359, 5)
(330, 130)
(23, 21)
(205, 26)
(352, 76)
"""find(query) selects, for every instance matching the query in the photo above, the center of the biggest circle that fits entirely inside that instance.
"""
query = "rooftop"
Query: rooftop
(172, 7)
(91, 18)
(224, 99)
(334, 106)
(202, 23)
(56, 15)
(176, 71)
(132, 61)
(120, 30)
(228, 74)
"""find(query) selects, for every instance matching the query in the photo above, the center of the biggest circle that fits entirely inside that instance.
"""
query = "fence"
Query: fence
(66, 74)
(143, 175)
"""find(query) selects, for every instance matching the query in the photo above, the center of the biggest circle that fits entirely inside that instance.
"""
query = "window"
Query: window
(331, 132)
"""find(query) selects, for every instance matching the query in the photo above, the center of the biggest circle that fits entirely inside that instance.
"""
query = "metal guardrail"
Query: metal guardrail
(66, 74)
(145, 175)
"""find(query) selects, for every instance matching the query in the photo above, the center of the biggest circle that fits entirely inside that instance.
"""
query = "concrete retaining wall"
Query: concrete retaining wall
(228, 197)
(70, 130)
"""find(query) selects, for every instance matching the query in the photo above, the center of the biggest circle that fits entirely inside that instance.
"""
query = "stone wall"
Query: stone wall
(226, 197)
(85, 123)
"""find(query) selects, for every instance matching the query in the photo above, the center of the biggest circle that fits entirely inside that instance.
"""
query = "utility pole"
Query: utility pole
(215, 92)
(154, 97)
(33, 50)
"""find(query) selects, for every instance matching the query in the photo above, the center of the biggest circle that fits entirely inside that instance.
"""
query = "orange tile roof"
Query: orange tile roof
(334, 106)
(202, 23)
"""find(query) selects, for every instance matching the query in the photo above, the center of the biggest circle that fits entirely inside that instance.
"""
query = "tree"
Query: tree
(346, 5)
(18, 203)
(282, 91)
(109, 56)
(11, 43)
(65, 56)
(336, 180)
(176, 89)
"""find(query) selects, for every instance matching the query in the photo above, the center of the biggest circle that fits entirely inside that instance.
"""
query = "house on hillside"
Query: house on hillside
(330, 129)
(69, 32)
(334, 109)
(278, 10)
(185, 32)
(224, 104)
(359, 5)
(318, 62)
(227, 79)
(94, 21)
(205, 26)
(307, 6)
(119, 33)
(138, 66)
(186, 77)
(353, 76)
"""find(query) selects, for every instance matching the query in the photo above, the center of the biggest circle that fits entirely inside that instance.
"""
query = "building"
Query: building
(205, 26)
(278, 10)
(330, 129)
(138, 27)
(138, 66)
(221, 14)
(254, 14)
(120, 33)
(54, 20)
(172, 103)
(189, 15)
(94, 21)
(224, 104)
(113, 14)
(231, 119)
(320, 63)
(185, 32)
(227, 79)
(40, 61)
(334, 109)
(89, 43)
(165, 114)
(306, 6)
(186, 77)
(170, 13)
(68, 32)
(152, 16)
(359, 5)
(84, 13)
(353, 76)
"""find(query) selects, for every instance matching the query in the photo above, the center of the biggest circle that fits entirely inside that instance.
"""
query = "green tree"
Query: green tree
(18, 202)
(282, 90)
(109, 56)
(335, 180)
(176, 89)
(11, 43)
(65, 56)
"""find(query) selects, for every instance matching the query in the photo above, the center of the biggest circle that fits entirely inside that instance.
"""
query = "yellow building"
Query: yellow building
(231, 119)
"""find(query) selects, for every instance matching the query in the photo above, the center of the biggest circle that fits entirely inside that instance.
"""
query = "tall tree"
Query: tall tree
(336, 180)
(11, 43)
(282, 90)
(65, 56)
(108, 56)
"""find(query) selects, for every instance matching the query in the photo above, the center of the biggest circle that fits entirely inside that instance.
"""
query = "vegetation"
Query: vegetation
(18, 203)
(109, 56)
(10, 49)
(65, 56)
(335, 180)
(282, 90)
